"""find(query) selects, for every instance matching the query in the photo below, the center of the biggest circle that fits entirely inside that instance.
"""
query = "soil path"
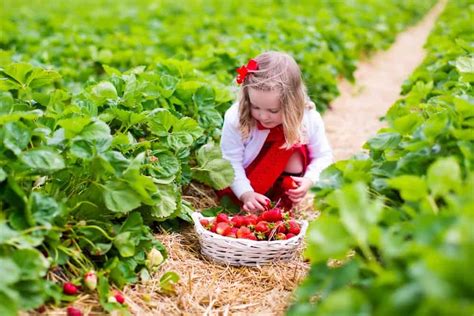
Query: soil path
(355, 115)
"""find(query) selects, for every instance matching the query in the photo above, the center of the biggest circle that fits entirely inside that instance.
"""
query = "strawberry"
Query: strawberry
(288, 183)
(237, 220)
(243, 231)
(213, 227)
(70, 289)
(222, 218)
(71, 311)
(90, 280)
(119, 297)
(268, 204)
(272, 215)
(262, 227)
(154, 258)
(280, 236)
(223, 228)
(250, 219)
(293, 227)
(232, 232)
(204, 222)
(250, 236)
(280, 227)
(290, 235)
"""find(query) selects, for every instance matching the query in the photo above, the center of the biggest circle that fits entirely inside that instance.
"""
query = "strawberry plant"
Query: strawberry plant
(398, 221)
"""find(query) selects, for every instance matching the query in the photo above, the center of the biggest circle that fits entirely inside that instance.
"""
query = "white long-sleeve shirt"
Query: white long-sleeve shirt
(240, 153)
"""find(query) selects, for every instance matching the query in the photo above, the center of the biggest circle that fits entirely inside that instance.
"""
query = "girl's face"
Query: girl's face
(265, 107)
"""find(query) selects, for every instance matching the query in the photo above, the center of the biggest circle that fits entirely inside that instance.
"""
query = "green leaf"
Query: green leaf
(119, 197)
(204, 97)
(125, 244)
(412, 188)
(73, 126)
(444, 176)
(165, 201)
(43, 160)
(357, 211)
(327, 238)
(168, 281)
(45, 209)
(33, 265)
(384, 141)
(16, 136)
(9, 270)
(213, 170)
(104, 90)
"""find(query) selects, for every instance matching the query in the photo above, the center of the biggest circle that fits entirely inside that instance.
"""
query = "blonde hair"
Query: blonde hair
(276, 71)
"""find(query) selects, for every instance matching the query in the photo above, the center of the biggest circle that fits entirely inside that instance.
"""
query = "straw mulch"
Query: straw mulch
(205, 287)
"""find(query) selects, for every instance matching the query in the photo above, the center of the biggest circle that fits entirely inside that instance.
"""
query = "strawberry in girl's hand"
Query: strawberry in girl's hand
(69, 288)
(71, 311)
(288, 183)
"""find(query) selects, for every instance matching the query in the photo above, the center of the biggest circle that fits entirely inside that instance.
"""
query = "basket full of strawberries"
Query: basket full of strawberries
(249, 240)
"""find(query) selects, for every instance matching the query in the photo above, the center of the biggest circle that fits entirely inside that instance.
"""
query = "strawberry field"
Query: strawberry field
(110, 115)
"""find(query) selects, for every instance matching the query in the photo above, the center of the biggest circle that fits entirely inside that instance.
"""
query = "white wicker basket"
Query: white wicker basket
(245, 252)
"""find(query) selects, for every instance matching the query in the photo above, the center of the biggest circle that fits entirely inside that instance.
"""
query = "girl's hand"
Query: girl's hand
(253, 201)
(297, 195)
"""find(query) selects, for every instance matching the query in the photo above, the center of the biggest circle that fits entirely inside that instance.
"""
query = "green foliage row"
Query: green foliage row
(82, 177)
(326, 37)
(400, 219)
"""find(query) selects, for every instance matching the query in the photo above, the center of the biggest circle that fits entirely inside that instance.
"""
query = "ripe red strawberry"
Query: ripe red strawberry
(232, 233)
(213, 227)
(288, 183)
(250, 219)
(272, 215)
(119, 297)
(293, 227)
(204, 222)
(290, 235)
(262, 227)
(280, 236)
(237, 220)
(243, 231)
(71, 311)
(69, 288)
(250, 236)
(90, 280)
(268, 204)
(223, 228)
(280, 227)
(222, 218)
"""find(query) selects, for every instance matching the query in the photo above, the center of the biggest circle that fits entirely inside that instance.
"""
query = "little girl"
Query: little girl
(273, 131)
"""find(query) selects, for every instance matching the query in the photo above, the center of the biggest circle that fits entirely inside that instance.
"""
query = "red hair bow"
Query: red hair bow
(244, 70)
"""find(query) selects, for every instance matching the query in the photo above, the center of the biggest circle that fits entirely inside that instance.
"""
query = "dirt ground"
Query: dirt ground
(206, 288)
(354, 115)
